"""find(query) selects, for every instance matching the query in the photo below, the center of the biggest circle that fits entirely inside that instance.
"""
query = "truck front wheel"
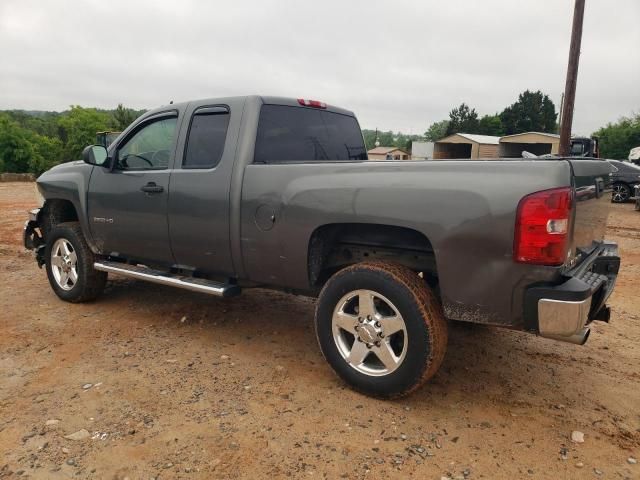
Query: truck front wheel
(381, 328)
(69, 264)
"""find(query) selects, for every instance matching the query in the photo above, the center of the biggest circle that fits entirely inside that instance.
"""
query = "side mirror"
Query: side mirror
(95, 155)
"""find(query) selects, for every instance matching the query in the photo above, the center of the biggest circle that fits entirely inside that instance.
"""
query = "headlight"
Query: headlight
(39, 197)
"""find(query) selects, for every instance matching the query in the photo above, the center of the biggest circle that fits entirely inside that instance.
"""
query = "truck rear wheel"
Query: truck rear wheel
(381, 328)
(69, 264)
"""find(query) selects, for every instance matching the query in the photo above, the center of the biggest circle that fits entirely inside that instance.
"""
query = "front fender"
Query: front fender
(70, 182)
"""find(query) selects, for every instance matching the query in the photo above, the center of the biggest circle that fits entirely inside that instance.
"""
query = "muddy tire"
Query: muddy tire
(69, 264)
(381, 328)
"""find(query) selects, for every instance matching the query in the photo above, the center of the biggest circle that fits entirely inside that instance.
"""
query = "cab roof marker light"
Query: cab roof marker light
(311, 103)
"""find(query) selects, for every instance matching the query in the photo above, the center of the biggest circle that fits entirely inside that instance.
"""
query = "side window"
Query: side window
(150, 147)
(206, 138)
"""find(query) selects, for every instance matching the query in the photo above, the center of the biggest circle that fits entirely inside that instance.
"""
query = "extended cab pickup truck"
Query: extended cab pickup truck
(226, 194)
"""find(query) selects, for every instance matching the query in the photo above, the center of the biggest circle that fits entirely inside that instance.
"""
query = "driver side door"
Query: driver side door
(128, 205)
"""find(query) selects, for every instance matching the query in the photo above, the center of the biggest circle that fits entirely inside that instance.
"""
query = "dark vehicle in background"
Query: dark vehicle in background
(219, 195)
(624, 181)
(106, 138)
(587, 147)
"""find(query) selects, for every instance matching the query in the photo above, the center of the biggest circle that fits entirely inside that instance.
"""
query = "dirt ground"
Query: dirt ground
(173, 384)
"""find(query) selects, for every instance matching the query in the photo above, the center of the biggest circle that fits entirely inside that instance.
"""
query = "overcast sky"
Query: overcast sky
(399, 65)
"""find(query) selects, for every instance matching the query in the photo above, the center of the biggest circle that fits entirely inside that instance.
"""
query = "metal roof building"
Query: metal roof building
(538, 143)
(465, 145)
(421, 150)
(382, 153)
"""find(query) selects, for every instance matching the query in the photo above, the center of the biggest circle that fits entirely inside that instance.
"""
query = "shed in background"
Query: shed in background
(537, 143)
(422, 150)
(383, 153)
(465, 145)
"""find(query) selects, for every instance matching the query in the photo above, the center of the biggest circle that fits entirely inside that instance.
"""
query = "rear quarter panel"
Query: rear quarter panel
(465, 208)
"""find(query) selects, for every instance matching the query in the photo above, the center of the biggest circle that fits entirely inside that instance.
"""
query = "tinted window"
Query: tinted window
(207, 134)
(150, 147)
(305, 134)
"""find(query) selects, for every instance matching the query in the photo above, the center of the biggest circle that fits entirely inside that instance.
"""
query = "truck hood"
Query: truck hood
(65, 166)
(65, 181)
(68, 168)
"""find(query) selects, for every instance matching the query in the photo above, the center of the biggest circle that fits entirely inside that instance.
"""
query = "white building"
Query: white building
(422, 150)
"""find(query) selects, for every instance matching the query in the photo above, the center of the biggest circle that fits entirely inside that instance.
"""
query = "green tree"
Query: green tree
(437, 130)
(15, 149)
(47, 153)
(389, 139)
(78, 129)
(463, 120)
(123, 117)
(616, 139)
(533, 112)
(490, 125)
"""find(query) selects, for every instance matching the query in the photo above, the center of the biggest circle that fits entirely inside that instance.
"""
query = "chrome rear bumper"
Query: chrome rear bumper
(564, 320)
(563, 311)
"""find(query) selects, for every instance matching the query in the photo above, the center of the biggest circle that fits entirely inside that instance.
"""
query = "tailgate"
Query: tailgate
(593, 199)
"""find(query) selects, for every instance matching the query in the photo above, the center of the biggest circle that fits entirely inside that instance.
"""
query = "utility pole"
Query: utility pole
(561, 107)
(566, 120)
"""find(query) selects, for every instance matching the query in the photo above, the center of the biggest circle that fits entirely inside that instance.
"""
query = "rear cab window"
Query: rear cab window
(299, 134)
(206, 137)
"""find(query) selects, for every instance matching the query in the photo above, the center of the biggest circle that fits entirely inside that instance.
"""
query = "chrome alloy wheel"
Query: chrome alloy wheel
(620, 193)
(369, 333)
(64, 264)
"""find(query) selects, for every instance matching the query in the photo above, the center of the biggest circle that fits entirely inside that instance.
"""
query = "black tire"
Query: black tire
(426, 327)
(90, 282)
(623, 195)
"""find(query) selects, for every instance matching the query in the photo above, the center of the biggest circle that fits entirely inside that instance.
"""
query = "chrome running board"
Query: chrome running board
(154, 276)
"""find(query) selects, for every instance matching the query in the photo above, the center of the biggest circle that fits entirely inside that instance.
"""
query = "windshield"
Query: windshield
(577, 149)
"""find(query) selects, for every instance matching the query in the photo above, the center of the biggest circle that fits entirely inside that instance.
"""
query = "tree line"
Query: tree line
(32, 142)
(531, 112)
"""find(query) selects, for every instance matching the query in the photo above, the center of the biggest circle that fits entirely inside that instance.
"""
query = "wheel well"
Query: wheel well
(54, 212)
(333, 247)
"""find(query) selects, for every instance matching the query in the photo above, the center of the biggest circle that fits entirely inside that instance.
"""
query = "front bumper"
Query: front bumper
(32, 236)
(562, 312)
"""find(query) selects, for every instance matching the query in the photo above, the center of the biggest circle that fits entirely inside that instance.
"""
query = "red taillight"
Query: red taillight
(312, 103)
(542, 227)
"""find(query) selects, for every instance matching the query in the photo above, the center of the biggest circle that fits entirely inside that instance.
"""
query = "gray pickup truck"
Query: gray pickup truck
(220, 195)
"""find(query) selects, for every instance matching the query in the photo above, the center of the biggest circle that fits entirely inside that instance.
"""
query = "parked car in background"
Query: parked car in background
(624, 180)
(634, 155)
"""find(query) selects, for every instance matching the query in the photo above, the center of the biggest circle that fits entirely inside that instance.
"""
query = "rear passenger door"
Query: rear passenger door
(199, 189)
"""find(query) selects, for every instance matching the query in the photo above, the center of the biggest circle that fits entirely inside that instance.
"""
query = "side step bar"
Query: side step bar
(154, 276)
